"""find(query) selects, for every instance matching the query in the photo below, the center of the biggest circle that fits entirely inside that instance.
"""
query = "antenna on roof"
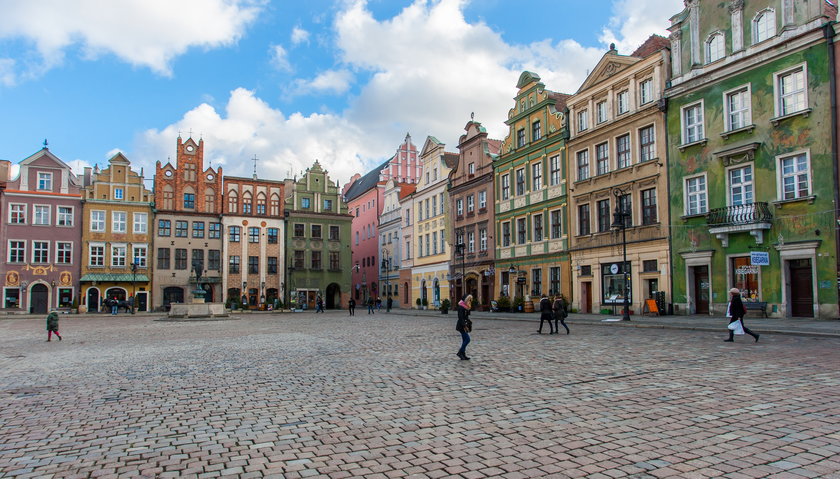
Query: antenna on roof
(472, 115)
(45, 143)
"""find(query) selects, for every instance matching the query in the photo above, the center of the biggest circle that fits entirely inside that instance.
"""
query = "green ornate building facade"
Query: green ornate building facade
(317, 241)
(531, 232)
(750, 160)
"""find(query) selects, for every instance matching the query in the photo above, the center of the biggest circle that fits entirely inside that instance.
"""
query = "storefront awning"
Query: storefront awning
(114, 278)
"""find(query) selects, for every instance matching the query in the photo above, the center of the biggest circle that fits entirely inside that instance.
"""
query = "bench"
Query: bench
(756, 306)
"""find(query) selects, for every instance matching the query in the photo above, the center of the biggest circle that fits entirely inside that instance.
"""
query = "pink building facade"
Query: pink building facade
(364, 196)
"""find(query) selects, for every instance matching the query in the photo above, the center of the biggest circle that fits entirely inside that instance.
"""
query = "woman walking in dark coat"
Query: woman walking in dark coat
(545, 315)
(52, 325)
(464, 325)
(351, 305)
(735, 311)
(561, 311)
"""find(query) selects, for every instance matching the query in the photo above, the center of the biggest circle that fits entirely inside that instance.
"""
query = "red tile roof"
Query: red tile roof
(653, 44)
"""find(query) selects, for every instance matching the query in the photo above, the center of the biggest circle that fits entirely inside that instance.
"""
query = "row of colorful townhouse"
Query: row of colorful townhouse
(673, 174)
(72, 242)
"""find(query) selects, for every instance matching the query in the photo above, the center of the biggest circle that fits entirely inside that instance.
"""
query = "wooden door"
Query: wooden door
(39, 299)
(586, 297)
(801, 288)
(701, 290)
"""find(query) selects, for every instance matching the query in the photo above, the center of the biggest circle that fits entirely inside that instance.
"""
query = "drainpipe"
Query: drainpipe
(828, 31)
(663, 107)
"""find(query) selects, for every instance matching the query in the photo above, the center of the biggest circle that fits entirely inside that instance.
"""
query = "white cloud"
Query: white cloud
(78, 166)
(633, 21)
(147, 33)
(7, 72)
(299, 35)
(279, 58)
(329, 82)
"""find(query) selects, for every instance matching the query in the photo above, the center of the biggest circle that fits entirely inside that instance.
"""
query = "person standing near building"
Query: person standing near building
(52, 325)
(115, 305)
(561, 311)
(545, 315)
(370, 305)
(319, 304)
(351, 306)
(735, 311)
(464, 325)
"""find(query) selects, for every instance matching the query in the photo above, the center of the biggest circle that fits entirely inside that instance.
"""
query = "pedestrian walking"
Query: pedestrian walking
(378, 303)
(464, 325)
(351, 306)
(52, 325)
(545, 315)
(561, 311)
(115, 305)
(370, 305)
(319, 304)
(735, 311)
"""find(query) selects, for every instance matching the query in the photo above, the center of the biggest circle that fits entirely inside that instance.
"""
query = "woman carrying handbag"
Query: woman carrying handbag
(735, 311)
(464, 325)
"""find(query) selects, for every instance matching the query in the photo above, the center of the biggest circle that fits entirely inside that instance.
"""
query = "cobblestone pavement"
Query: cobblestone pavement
(304, 395)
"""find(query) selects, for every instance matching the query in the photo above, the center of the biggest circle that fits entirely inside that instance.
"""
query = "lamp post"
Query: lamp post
(244, 295)
(386, 264)
(133, 282)
(461, 250)
(619, 217)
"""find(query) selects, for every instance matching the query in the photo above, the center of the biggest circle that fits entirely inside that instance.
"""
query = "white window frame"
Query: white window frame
(602, 160)
(504, 188)
(602, 115)
(719, 51)
(470, 203)
(59, 249)
(9, 249)
(756, 31)
(115, 247)
(44, 222)
(780, 175)
(701, 124)
(745, 112)
(91, 255)
(623, 101)
(779, 97)
(459, 207)
(536, 176)
(141, 220)
(629, 162)
(471, 242)
(136, 248)
(750, 183)
(471, 168)
(115, 223)
(49, 180)
(652, 145)
(555, 175)
(46, 254)
(68, 218)
(94, 222)
(687, 196)
(582, 120)
(119, 193)
(22, 210)
(645, 91)
(482, 239)
(520, 173)
(482, 199)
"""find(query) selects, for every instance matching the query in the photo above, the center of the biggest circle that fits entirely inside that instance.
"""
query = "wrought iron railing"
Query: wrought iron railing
(748, 214)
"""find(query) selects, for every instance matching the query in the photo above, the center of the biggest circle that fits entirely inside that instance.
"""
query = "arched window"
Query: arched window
(233, 202)
(247, 203)
(189, 198)
(261, 203)
(275, 205)
(168, 195)
(715, 47)
(764, 25)
(209, 200)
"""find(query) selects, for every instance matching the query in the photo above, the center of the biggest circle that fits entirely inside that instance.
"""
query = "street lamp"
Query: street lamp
(461, 250)
(133, 282)
(386, 266)
(619, 222)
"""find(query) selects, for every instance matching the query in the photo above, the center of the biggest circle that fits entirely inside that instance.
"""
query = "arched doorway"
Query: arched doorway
(172, 294)
(92, 300)
(472, 288)
(436, 292)
(405, 294)
(39, 299)
(424, 295)
(117, 293)
(333, 296)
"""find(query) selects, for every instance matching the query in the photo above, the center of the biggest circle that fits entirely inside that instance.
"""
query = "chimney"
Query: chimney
(86, 176)
(5, 169)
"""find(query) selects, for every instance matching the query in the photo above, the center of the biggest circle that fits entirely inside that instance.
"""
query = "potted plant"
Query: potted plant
(418, 303)
(444, 306)
(518, 304)
(503, 303)
(425, 303)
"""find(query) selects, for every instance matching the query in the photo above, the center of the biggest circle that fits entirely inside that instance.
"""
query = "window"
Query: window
(649, 206)
(253, 234)
(96, 255)
(41, 216)
(459, 207)
(118, 221)
(299, 230)
(45, 181)
(233, 202)
(335, 263)
(181, 229)
(141, 223)
(554, 170)
(692, 123)
(190, 172)
(304, 203)
(298, 259)
(247, 203)
(273, 234)
(536, 131)
(583, 165)
(434, 242)
(738, 109)
(214, 260)
(601, 111)
(407, 249)
(189, 201)
(97, 221)
(63, 252)
(316, 260)
(233, 234)
(17, 214)
(420, 246)
(335, 233)
(427, 208)
(536, 281)
(649, 266)
(328, 205)
(538, 227)
(715, 48)
(695, 192)
(118, 193)
(505, 187)
(471, 169)
(442, 243)
(764, 25)
(275, 205)
(536, 176)
(65, 216)
(506, 234)
(163, 258)
(482, 200)
(554, 280)
(470, 203)
(140, 254)
(741, 186)
(272, 265)
(623, 101)
(471, 242)
(209, 200)
(215, 230)
(434, 205)
(233, 264)
(17, 251)
(646, 91)
(482, 239)
(583, 219)
(796, 176)
(646, 143)
(586, 270)
(556, 229)
(622, 150)
(604, 215)
(118, 254)
(253, 265)
(261, 204)
(521, 231)
(625, 207)
(791, 91)
(198, 229)
(602, 158)
(316, 231)
(582, 120)
(168, 196)
(520, 137)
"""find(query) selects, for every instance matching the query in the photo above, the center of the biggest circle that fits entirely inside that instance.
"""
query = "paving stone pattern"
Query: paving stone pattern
(384, 396)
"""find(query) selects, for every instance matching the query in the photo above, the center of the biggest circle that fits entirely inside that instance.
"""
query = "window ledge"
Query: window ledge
(775, 121)
(726, 134)
(694, 143)
(698, 215)
(810, 199)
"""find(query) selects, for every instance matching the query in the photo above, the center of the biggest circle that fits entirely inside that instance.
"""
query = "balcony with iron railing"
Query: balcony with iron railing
(753, 218)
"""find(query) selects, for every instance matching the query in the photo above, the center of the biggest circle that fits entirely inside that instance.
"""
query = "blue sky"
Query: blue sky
(289, 81)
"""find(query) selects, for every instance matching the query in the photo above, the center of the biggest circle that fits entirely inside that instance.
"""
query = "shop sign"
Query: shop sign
(760, 258)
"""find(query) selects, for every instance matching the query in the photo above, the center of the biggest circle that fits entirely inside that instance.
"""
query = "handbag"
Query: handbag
(736, 327)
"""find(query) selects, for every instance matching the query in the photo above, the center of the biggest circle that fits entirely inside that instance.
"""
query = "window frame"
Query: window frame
(622, 100)
(779, 96)
(48, 179)
(755, 27)
(35, 220)
(68, 251)
(579, 167)
(780, 175)
(582, 120)
(602, 158)
(645, 91)
(19, 210)
(555, 174)
(101, 221)
(67, 216)
(700, 125)
(601, 113)
(719, 48)
(504, 187)
(649, 147)
(20, 253)
(538, 227)
(182, 229)
(123, 222)
(603, 215)
(687, 195)
(650, 212)
(747, 185)
(745, 112)
(140, 219)
(536, 176)
(583, 220)
(627, 154)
